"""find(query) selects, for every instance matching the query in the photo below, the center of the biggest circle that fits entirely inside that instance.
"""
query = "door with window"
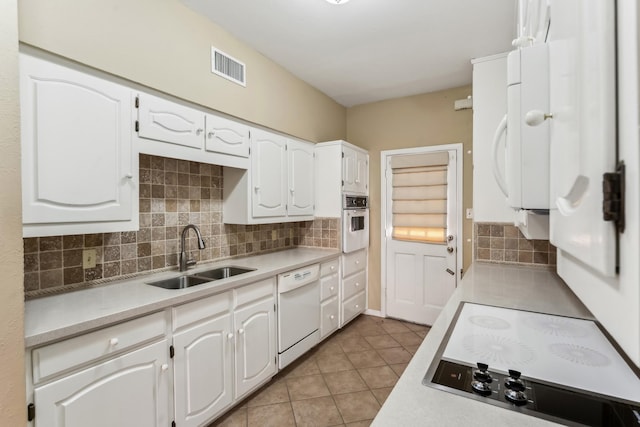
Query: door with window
(420, 214)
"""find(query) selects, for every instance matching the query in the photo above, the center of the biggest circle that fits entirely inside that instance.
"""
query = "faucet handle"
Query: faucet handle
(191, 262)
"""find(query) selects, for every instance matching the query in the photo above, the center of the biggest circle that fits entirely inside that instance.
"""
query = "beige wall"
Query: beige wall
(12, 389)
(164, 45)
(414, 121)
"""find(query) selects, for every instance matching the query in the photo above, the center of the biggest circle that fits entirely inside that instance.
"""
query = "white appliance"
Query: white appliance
(355, 223)
(525, 179)
(558, 368)
(298, 313)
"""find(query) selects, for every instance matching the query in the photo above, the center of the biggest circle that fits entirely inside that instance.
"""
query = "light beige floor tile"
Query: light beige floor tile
(366, 359)
(306, 365)
(394, 326)
(369, 329)
(273, 392)
(407, 338)
(379, 377)
(235, 418)
(399, 368)
(382, 393)
(344, 382)
(357, 406)
(307, 387)
(334, 362)
(278, 415)
(317, 412)
(395, 355)
(353, 344)
(382, 341)
(330, 346)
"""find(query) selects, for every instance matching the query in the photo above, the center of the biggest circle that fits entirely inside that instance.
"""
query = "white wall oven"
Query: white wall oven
(355, 223)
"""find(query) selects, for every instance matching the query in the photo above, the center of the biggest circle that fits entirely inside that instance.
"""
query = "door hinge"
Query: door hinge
(274, 307)
(343, 182)
(137, 102)
(31, 412)
(137, 126)
(173, 424)
(275, 360)
(613, 200)
(172, 352)
(249, 150)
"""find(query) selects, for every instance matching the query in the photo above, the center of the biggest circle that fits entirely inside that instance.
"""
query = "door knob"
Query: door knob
(536, 117)
(450, 249)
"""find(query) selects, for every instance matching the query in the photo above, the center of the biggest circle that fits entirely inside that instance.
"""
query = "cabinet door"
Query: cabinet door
(329, 312)
(166, 121)
(226, 136)
(355, 171)
(77, 158)
(269, 174)
(203, 371)
(255, 345)
(130, 390)
(301, 162)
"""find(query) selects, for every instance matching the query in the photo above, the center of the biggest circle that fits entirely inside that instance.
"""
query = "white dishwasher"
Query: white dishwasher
(298, 313)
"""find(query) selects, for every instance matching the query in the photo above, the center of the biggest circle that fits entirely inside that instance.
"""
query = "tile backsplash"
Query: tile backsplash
(504, 243)
(173, 193)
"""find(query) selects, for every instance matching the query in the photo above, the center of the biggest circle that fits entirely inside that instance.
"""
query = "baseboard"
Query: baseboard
(376, 313)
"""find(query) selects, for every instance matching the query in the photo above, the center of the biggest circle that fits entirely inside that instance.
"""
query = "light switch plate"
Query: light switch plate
(469, 213)
(89, 258)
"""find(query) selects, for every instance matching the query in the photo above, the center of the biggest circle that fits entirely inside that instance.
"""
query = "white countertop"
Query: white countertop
(56, 317)
(527, 288)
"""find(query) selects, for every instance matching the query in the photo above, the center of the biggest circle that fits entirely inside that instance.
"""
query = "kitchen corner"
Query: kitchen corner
(535, 289)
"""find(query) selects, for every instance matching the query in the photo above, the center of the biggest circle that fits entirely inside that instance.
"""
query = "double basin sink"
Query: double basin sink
(186, 281)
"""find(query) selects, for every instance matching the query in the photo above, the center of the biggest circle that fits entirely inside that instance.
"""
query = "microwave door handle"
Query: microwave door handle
(499, 177)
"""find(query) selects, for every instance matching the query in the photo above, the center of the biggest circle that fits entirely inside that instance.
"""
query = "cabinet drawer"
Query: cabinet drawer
(329, 267)
(354, 262)
(329, 311)
(329, 286)
(354, 284)
(52, 359)
(205, 308)
(353, 306)
(255, 291)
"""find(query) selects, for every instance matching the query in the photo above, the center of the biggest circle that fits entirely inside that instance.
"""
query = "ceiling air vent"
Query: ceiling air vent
(228, 67)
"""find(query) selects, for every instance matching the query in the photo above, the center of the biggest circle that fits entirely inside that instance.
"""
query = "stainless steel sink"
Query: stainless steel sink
(180, 282)
(222, 272)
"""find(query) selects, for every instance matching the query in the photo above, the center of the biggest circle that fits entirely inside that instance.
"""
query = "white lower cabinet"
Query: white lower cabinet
(353, 291)
(128, 389)
(329, 297)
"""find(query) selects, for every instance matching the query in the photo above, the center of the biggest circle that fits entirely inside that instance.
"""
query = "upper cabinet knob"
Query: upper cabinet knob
(129, 175)
(536, 117)
(210, 135)
(199, 131)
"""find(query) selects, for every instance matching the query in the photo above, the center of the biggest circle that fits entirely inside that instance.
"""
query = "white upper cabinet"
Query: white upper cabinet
(279, 186)
(301, 178)
(79, 169)
(226, 136)
(269, 173)
(167, 121)
(355, 171)
(171, 129)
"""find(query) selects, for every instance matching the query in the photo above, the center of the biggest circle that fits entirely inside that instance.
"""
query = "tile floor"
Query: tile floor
(341, 382)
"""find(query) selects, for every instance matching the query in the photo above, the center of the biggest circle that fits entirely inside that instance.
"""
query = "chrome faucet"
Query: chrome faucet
(184, 262)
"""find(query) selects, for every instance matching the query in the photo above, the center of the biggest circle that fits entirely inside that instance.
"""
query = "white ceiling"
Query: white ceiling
(369, 50)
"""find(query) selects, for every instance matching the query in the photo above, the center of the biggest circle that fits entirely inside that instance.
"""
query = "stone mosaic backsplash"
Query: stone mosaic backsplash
(173, 193)
(504, 243)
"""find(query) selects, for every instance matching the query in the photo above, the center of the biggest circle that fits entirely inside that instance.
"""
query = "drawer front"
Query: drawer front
(61, 356)
(354, 284)
(255, 291)
(329, 311)
(329, 286)
(354, 262)
(353, 306)
(205, 308)
(329, 267)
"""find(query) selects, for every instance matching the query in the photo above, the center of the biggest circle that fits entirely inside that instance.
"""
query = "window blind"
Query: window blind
(419, 197)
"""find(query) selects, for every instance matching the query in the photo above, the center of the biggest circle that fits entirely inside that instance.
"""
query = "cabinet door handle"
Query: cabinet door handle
(199, 131)
(164, 367)
(240, 331)
(211, 135)
(113, 342)
(256, 188)
(332, 317)
(333, 267)
(332, 288)
(129, 175)
(357, 262)
(357, 284)
(357, 306)
(229, 335)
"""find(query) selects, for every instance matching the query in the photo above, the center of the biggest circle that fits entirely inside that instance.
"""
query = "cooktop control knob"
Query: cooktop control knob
(513, 381)
(481, 373)
(480, 387)
(516, 397)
